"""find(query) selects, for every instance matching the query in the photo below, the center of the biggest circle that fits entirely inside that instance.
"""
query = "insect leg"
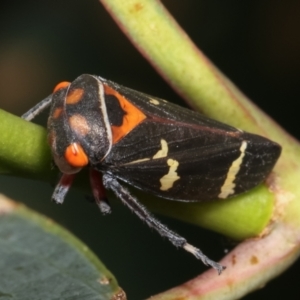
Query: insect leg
(62, 188)
(99, 192)
(131, 202)
(38, 108)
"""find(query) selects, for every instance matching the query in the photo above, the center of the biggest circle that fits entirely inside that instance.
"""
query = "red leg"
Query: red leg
(99, 191)
(62, 188)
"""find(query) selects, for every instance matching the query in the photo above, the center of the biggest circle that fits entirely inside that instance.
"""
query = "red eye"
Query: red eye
(76, 156)
(61, 85)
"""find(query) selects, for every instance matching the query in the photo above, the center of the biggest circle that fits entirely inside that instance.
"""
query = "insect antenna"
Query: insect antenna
(37, 109)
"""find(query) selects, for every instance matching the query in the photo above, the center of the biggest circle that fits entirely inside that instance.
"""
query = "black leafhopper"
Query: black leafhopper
(151, 144)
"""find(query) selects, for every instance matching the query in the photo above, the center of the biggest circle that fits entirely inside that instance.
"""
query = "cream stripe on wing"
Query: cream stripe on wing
(228, 186)
(163, 152)
(168, 180)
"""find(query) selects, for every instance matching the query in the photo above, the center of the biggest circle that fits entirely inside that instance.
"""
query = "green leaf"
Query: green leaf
(41, 260)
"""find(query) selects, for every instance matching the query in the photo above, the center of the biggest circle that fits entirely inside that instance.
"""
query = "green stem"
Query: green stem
(169, 49)
(23, 148)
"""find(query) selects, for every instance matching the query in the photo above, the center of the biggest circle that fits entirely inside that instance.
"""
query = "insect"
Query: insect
(125, 136)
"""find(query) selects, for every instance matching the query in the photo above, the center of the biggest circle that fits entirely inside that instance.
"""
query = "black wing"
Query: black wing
(179, 154)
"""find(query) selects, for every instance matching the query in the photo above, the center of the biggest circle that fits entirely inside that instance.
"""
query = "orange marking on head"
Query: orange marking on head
(51, 139)
(76, 156)
(61, 85)
(74, 96)
(133, 116)
(79, 124)
(57, 112)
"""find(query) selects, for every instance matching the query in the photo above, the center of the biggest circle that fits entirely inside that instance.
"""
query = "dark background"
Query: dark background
(255, 43)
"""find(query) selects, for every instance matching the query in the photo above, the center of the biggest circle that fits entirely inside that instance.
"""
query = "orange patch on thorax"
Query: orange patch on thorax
(132, 117)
